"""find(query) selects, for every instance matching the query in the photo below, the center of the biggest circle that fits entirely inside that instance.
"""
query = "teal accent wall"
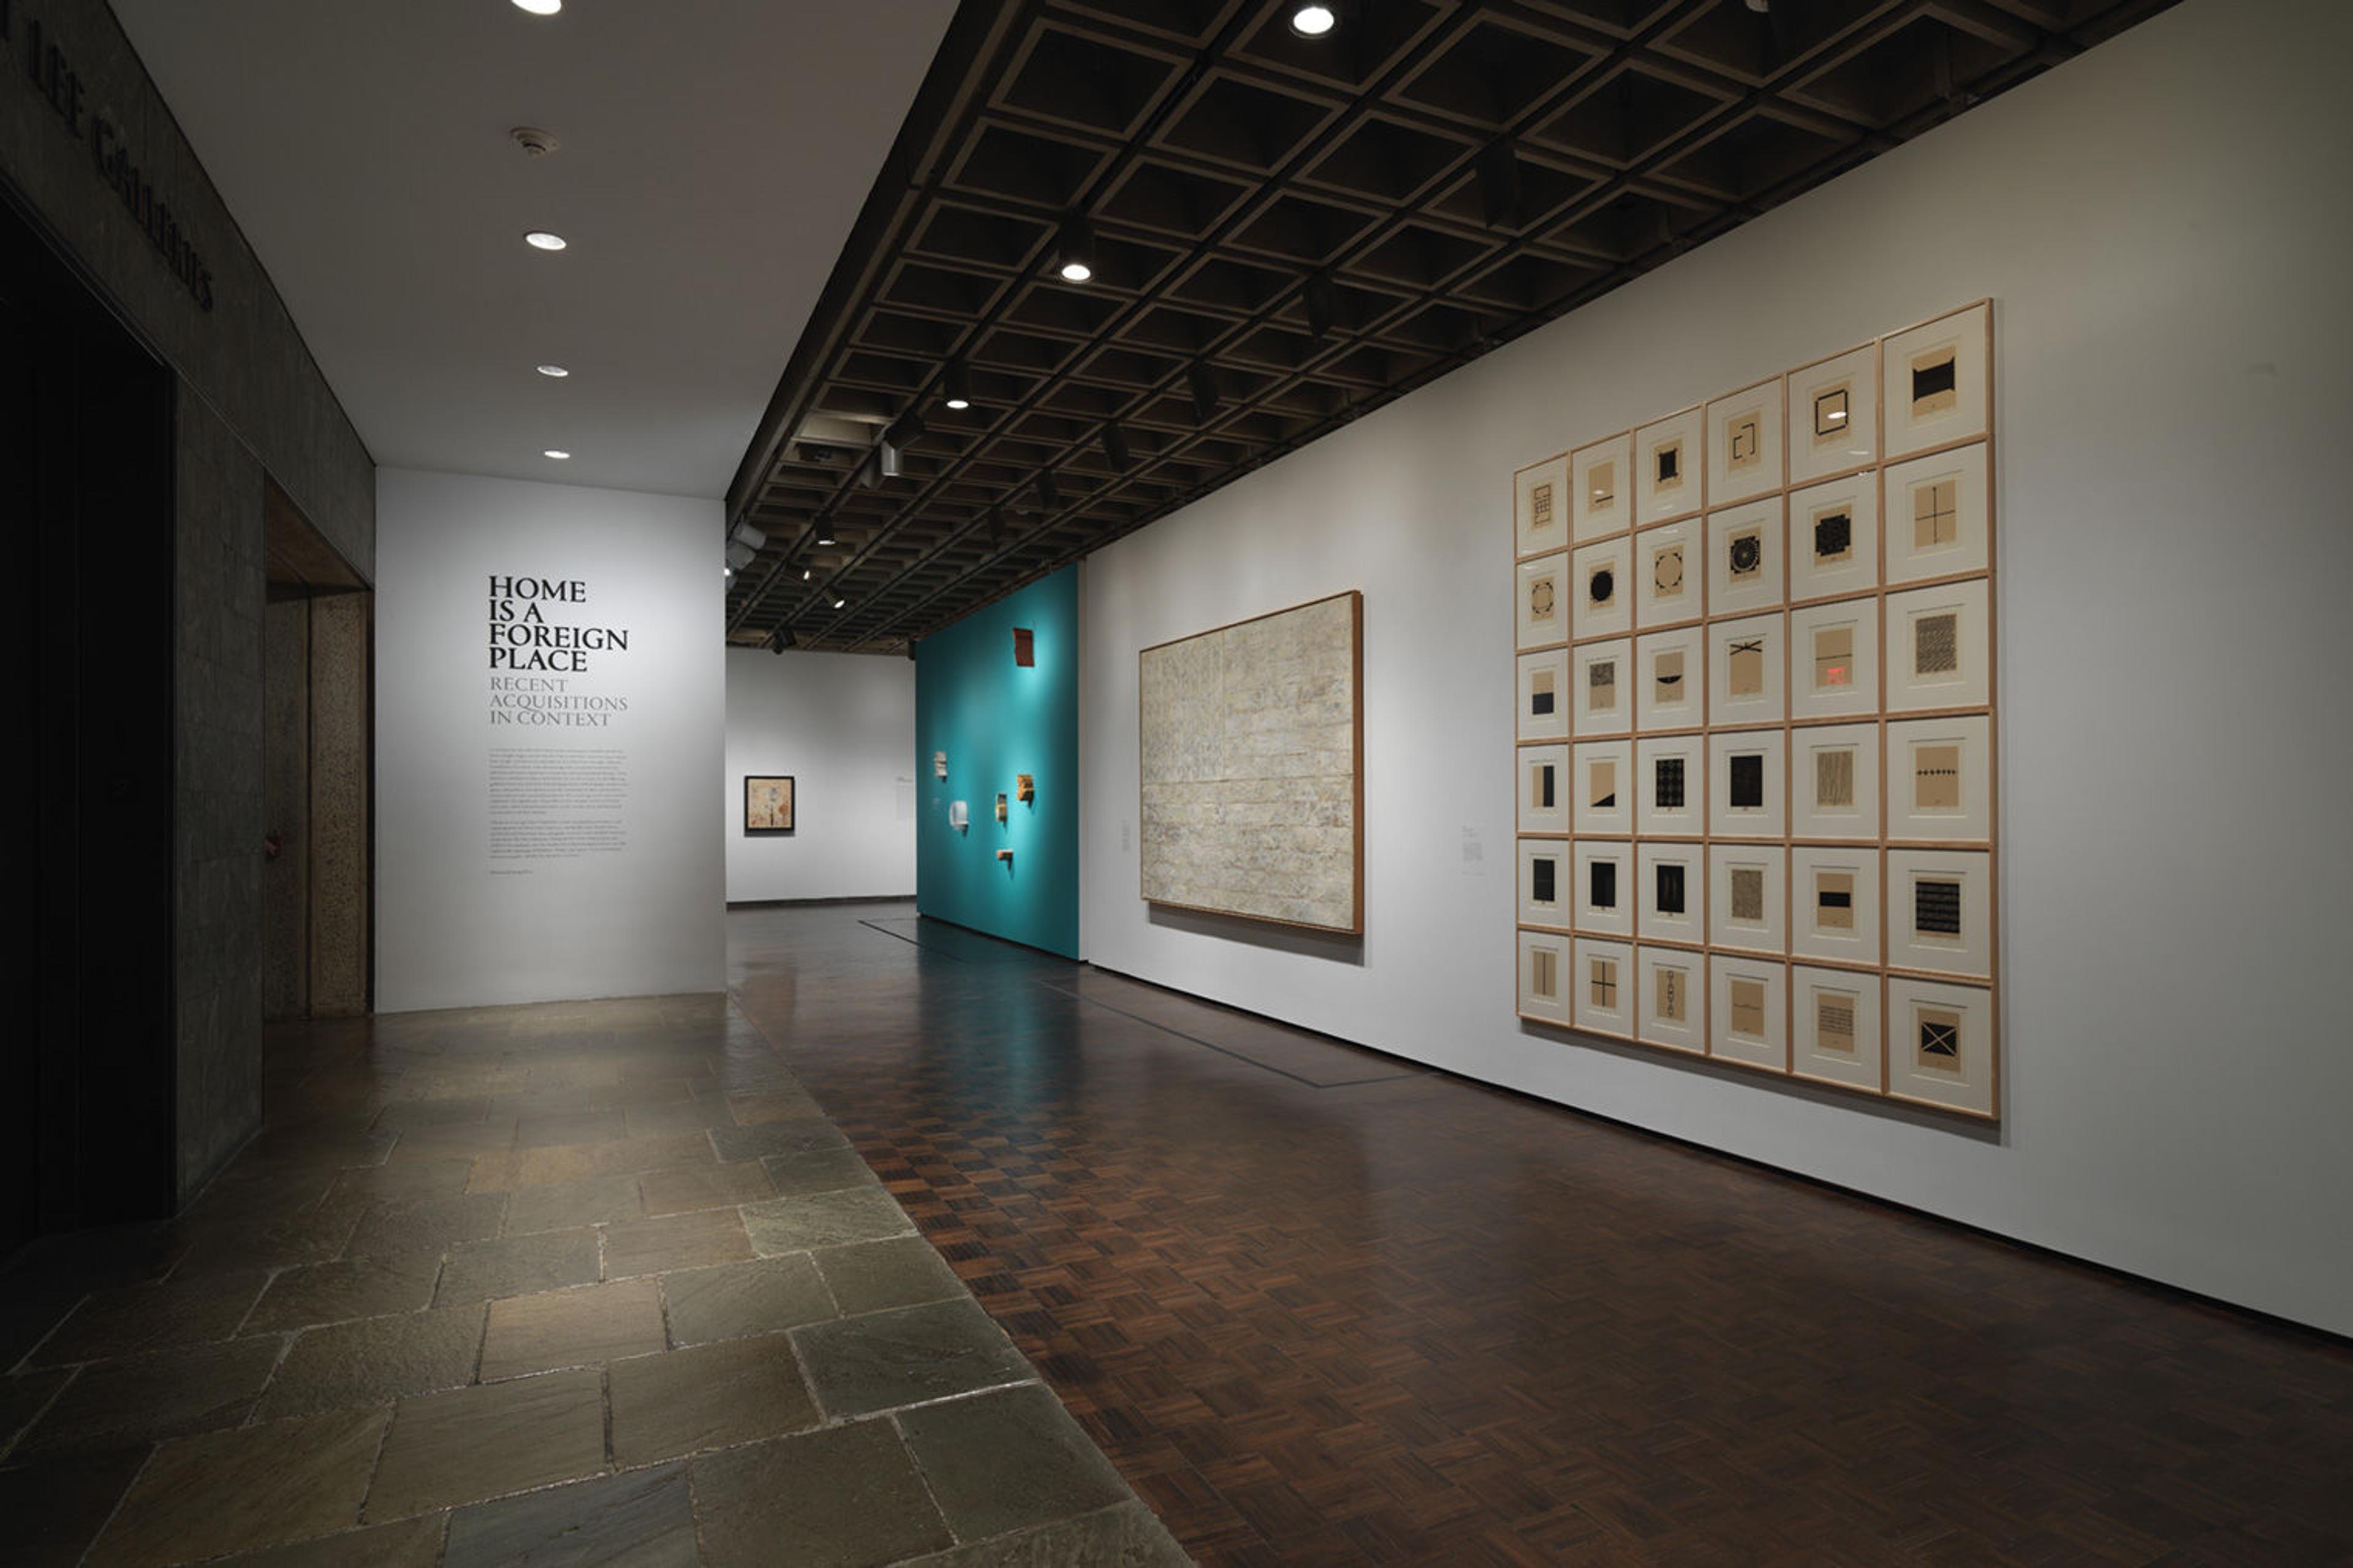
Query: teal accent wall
(993, 719)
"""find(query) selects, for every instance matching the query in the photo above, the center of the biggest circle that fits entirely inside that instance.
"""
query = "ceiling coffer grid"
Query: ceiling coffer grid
(1285, 234)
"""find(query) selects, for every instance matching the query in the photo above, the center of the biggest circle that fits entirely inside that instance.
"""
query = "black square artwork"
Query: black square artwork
(1667, 784)
(1601, 877)
(1748, 784)
(1939, 1040)
(1936, 907)
(1671, 890)
(1671, 464)
(1540, 702)
(1835, 898)
(1929, 380)
(1540, 879)
(1833, 535)
(1543, 787)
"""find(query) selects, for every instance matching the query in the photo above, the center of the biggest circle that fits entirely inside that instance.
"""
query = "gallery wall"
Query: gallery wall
(546, 832)
(837, 724)
(996, 720)
(2169, 381)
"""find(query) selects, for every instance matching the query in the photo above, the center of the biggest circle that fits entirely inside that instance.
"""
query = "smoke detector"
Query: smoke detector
(535, 142)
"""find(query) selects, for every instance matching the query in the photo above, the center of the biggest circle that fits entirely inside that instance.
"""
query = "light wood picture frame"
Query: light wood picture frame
(1835, 414)
(1749, 1011)
(1540, 508)
(1601, 479)
(1937, 382)
(1670, 998)
(1744, 444)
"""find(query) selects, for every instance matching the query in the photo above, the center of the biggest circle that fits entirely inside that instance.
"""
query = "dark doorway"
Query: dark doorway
(86, 484)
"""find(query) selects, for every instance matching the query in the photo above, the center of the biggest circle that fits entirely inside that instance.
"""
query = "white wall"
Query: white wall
(2173, 389)
(843, 725)
(461, 918)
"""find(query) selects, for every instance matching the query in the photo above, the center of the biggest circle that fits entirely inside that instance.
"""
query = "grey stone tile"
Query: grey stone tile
(680, 1241)
(677, 1116)
(25, 1395)
(1007, 1460)
(248, 1487)
(786, 1103)
(339, 1291)
(440, 1177)
(734, 1299)
(562, 1205)
(1123, 1536)
(410, 1543)
(696, 1187)
(644, 1520)
(847, 1497)
(55, 1510)
(483, 1442)
(826, 1171)
(375, 1361)
(418, 1231)
(311, 1235)
(579, 1327)
(886, 1360)
(824, 1219)
(146, 1398)
(875, 1276)
(150, 1316)
(769, 1138)
(517, 1265)
(707, 1396)
(570, 1127)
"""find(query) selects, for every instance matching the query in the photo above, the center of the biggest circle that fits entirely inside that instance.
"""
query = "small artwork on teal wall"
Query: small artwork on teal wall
(998, 693)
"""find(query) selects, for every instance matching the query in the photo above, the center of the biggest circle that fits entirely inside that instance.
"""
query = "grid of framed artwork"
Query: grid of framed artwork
(1757, 781)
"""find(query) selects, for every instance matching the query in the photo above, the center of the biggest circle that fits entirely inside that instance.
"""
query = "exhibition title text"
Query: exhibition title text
(524, 637)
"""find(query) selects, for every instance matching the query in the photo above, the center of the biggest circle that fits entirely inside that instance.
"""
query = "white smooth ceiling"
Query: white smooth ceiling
(713, 157)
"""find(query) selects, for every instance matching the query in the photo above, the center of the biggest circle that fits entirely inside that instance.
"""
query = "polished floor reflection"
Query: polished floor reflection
(1321, 1307)
(594, 1282)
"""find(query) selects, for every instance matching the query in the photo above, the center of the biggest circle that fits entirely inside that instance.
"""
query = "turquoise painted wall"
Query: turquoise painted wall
(993, 719)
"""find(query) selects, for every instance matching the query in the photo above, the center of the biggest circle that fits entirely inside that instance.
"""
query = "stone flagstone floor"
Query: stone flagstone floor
(578, 1282)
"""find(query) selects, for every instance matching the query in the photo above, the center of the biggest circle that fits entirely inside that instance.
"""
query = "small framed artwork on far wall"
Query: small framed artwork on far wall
(767, 803)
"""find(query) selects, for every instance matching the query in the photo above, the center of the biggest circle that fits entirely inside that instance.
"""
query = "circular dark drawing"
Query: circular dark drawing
(1602, 585)
(1747, 554)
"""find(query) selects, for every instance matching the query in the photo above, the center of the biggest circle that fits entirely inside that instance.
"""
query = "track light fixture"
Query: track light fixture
(744, 534)
(739, 554)
(1115, 446)
(1074, 249)
(781, 639)
(1202, 379)
(956, 386)
(823, 532)
(1499, 186)
(1321, 300)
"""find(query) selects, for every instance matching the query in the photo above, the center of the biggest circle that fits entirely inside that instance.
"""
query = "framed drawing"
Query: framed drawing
(1544, 976)
(1772, 732)
(1835, 781)
(1744, 558)
(1670, 468)
(767, 803)
(1940, 779)
(1834, 904)
(1543, 883)
(1601, 479)
(1543, 789)
(1834, 660)
(1605, 887)
(1604, 979)
(1834, 1022)
(1749, 1011)
(1745, 900)
(1669, 679)
(1265, 714)
(1934, 384)
(1835, 414)
(1744, 444)
(1603, 798)
(1834, 539)
(1670, 998)
(1745, 776)
(1940, 1043)
(1543, 600)
(1936, 515)
(1540, 515)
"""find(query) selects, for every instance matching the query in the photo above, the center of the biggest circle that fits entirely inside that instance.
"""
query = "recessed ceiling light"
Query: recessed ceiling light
(805, 573)
(554, 371)
(540, 7)
(552, 452)
(1313, 21)
(841, 604)
(540, 239)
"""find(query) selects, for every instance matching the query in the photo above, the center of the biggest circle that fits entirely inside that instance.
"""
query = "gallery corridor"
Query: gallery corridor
(1324, 1307)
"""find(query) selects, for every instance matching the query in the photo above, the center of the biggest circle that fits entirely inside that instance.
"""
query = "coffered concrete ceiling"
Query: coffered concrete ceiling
(713, 157)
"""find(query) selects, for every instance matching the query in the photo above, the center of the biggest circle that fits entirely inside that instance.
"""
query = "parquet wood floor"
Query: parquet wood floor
(1413, 1320)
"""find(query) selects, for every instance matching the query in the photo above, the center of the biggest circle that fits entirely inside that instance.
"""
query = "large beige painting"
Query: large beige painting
(1252, 756)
